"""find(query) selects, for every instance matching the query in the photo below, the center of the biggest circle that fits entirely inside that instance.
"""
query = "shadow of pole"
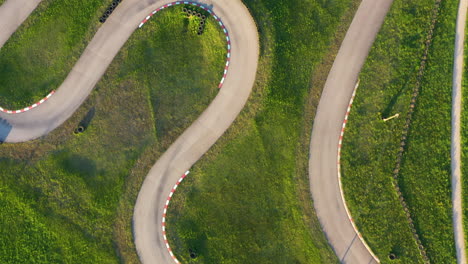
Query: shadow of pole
(5, 129)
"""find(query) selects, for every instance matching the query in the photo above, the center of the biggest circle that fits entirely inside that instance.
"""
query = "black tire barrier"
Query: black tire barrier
(79, 129)
(189, 12)
(202, 23)
(200, 28)
(193, 255)
(199, 15)
(392, 256)
(203, 17)
(199, 33)
(109, 10)
(185, 9)
(404, 138)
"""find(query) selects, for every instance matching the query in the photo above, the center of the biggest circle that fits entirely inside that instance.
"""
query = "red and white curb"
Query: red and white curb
(27, 108)
(340, 141)
(226, 33)
(163, 223)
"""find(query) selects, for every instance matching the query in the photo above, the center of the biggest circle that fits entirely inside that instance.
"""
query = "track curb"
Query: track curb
(163, 221)
(226, 68)
(29, 107)
(338, 159)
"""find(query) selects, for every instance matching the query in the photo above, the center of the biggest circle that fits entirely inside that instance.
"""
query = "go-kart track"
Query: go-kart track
(202, 134)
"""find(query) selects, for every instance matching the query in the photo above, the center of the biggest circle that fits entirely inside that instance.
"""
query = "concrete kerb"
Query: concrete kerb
(226, 68)
(163, 220)
(29, 107)
(338, 159)
(220, 22)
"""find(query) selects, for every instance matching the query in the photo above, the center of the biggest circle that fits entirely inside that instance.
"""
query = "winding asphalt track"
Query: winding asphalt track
(201, 135)
(327, 127)
(188, 148)
(105, 45)
(456, 126)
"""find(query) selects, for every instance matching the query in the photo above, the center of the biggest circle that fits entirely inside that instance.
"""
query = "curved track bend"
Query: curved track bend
(188, 148)
(323, 168)
(201, 135)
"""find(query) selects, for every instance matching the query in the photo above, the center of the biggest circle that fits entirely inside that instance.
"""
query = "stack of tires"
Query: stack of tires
(201, 25)
(109, 10)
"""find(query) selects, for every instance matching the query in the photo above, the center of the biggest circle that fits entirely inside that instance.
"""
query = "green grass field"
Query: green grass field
(64, 197)
(247, 200)
(39, 55)
(371, 145)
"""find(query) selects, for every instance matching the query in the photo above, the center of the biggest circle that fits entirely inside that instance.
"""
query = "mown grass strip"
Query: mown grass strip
(39, 55)
(370, 145)
(240, 203)
(68, 198)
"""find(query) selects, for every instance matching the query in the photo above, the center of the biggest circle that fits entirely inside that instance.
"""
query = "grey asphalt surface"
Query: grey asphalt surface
(201, 135)
(204, 132)
(189, 147)
(327, 128)
(85, 74)
(12, 14)
(456, 139)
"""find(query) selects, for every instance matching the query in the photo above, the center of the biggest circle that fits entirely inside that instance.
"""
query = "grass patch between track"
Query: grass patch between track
(39, 55)
(370, 145)
(69, 198)
(247, 200)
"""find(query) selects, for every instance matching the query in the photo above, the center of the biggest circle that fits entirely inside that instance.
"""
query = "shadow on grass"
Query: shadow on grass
(389, 109)
(88, 117)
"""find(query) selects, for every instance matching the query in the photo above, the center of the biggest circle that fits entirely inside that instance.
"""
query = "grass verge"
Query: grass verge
(63, 198)
(247, 200)
(38, 56)
(371, 145)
